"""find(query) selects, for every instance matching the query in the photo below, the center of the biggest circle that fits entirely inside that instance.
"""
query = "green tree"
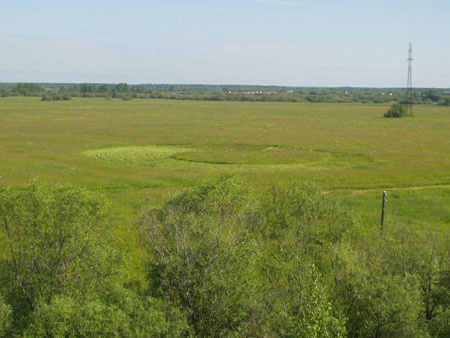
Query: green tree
(200, 257)
(58, 241)
(301, 226)
(29, 89)
(245, 267)
(426, 256)
(445, 101)
(396, 110)
(4, 92)
(374, 287)
(122, 88)
(433, 95)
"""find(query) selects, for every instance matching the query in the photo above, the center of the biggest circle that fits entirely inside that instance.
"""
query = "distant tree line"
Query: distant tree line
(217, 261)
(224, 93)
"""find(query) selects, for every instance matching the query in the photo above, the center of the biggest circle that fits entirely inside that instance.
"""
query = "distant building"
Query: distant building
(446, 93)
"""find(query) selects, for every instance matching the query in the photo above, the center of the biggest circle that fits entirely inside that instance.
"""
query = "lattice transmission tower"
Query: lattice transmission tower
(409, 88)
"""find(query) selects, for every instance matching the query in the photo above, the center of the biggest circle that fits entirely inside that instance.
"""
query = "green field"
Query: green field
(149, 148)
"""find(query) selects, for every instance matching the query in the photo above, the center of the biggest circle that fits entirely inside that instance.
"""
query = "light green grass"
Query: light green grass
(238, 157)
(420, 208)
(252, 155)
(144, 155)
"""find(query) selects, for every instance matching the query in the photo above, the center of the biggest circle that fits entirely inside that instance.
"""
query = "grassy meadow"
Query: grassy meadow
(130, 150)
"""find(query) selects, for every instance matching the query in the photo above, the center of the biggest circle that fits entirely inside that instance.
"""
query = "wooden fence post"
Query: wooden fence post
(383, 211)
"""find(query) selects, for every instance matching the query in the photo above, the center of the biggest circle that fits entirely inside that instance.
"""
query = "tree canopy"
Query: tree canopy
(220, 261)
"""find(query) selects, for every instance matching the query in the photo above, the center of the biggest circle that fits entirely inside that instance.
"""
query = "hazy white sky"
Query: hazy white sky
(280, 42)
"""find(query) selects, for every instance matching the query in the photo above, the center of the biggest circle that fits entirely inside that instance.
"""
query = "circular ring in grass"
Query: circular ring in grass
(235, 156)
(246, 154)
(139, 155)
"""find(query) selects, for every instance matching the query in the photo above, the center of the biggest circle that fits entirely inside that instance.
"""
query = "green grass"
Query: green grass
(144, 155)
(425, 208)
(149, 148)
(248, 154)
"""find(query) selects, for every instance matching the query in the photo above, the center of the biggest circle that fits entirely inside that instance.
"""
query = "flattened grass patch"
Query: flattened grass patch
(246, 154)
(230, 155)
(151, 155)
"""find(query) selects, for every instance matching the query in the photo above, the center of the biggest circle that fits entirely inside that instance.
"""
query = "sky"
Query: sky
(259, 42)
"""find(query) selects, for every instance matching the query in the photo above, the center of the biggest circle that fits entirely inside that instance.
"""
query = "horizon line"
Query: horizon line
(216, 85)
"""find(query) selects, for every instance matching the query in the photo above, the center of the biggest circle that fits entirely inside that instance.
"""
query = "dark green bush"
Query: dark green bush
(396, 110)
(47, 97)
(4, 93)
(56, 97)
(445, 101)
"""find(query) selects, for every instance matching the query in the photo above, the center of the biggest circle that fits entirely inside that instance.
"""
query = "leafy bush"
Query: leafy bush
(58, 241)
(47, 97)
(396, 110)
(200, 257)
(379, 301)
(300, 228)
(5, 317)
(206, 259)
(221, 261)
(115, 313)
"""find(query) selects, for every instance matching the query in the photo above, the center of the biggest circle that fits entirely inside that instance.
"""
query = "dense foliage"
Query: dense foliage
(220, 261)
(397, 110)
(223, 93)
(445, 101)
(56, 97)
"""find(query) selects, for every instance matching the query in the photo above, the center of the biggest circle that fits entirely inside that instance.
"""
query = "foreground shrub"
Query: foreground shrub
(205, 258)
(394, 285)
(301, 227)
(200, 257)
(221, 261)
(378, 303)
(115, 313)
(58, 241)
